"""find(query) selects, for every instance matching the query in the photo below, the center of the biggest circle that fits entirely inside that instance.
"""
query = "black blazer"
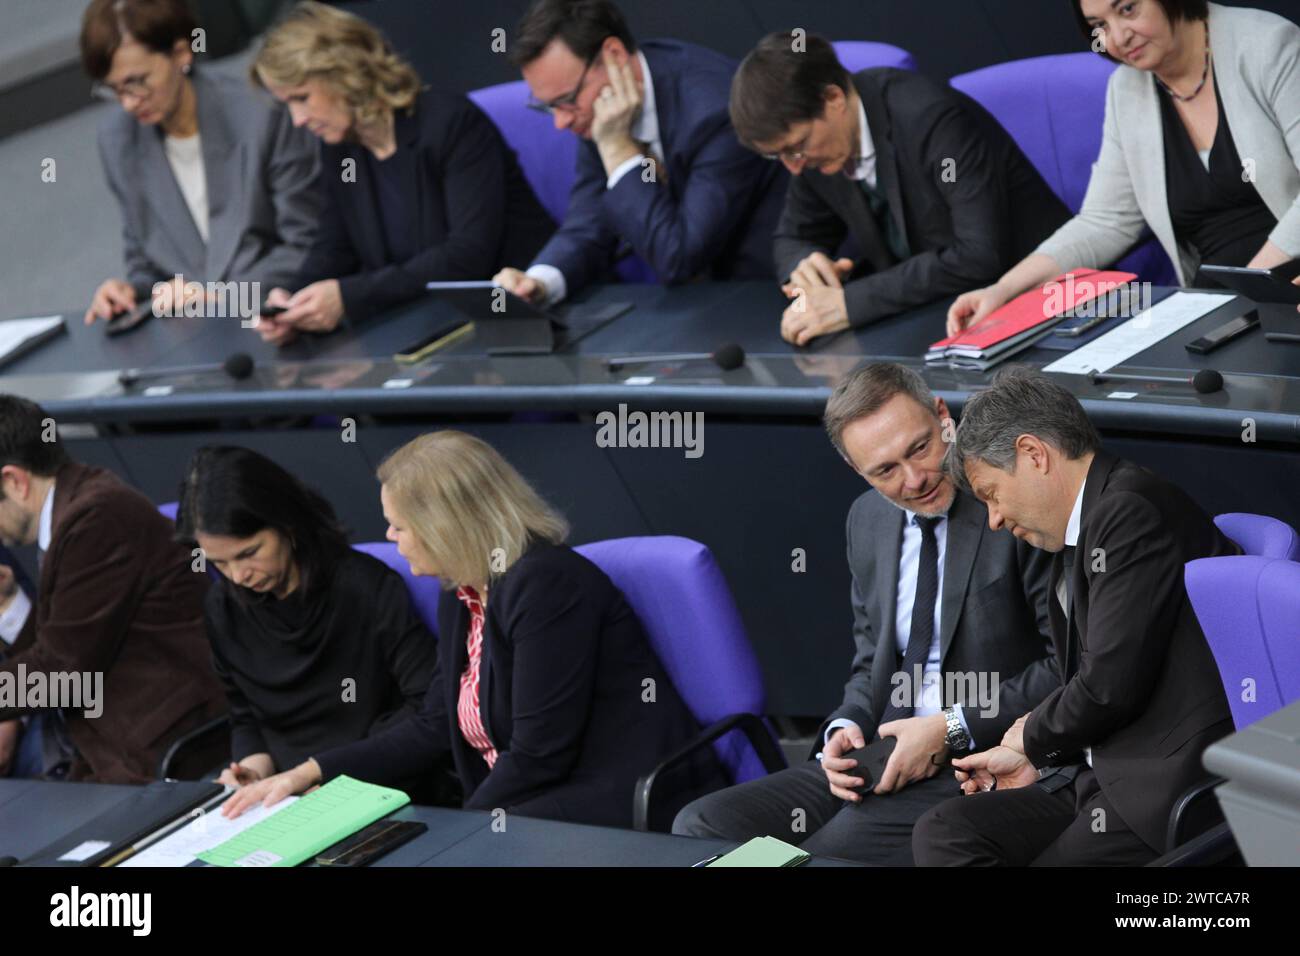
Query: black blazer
(993, 617)
(968, 201)
(475, 210)
(561, 695)
(1147, 695)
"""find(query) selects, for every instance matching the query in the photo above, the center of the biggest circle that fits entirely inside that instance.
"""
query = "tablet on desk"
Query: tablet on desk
(506, 324)
(1272, 290)
(1263, 285)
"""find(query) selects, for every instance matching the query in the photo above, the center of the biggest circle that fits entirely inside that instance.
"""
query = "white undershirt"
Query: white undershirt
(185, 156)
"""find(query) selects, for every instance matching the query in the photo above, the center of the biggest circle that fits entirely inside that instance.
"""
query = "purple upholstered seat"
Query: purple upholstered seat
(682, 600)
(1249, 609)
(425, 591)
(857, 55)
(1054, 107)
(1261, 535)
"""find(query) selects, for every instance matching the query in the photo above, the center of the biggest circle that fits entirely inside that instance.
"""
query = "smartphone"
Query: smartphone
(127, 321)
(1224, 334)
(440, 338)
(369, 844)
(269, 311)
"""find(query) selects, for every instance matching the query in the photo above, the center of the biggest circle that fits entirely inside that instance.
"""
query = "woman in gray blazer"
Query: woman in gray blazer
(1201, 146)
(214, 183)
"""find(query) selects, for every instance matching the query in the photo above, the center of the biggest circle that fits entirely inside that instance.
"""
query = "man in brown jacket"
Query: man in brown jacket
(113, 656)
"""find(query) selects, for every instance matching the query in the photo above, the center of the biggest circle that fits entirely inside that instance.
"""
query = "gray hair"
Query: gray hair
(1021, 401)
(864, 390)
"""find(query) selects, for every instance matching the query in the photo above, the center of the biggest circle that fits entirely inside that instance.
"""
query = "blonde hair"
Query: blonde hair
(473, 513)
(315, 41)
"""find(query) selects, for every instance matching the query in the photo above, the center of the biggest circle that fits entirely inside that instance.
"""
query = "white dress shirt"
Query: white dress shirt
(644, 129)
(909, 564)
(1072, 540)
(15, 615)
(865, 168)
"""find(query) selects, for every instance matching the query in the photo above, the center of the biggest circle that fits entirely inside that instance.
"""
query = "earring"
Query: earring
(186, 69)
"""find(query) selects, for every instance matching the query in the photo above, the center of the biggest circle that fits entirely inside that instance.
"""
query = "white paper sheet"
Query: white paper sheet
(15, 332)
(209, 830)
(1138, 333)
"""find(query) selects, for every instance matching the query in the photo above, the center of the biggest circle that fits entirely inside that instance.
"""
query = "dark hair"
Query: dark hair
(23, 427)
(583, 25)
(235, 492)
(1021, 401)
(156, 24)
(777, 86)
(1175, 10)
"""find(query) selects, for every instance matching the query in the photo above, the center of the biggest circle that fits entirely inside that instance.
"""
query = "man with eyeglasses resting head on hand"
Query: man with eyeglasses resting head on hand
(659, 174)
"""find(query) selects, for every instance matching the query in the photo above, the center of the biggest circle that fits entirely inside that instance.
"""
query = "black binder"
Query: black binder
(130, 820)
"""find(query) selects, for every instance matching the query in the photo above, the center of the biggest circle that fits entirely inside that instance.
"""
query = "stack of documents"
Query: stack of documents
(1023, 321)
(763, 851)
(319, 820)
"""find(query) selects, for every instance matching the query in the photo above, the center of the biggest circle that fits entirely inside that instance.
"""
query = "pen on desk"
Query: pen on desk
(161, 832)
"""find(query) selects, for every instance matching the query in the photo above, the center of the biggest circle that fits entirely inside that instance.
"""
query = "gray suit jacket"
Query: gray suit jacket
(993, 617)
(260, 173)
(1257, 66)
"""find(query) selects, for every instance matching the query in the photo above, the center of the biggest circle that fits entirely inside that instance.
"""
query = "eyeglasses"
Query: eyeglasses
(794, 154)
(136, 87)
(566, 102)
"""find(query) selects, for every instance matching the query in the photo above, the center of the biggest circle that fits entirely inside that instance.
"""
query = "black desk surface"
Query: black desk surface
(34, 814)
(351, 371)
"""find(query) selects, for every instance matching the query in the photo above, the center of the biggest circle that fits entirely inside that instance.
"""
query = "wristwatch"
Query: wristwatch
(957, 739)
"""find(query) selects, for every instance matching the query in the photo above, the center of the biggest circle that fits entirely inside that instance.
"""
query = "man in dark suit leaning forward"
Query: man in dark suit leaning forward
(936, 594)
(928, 186)
(1089, 775)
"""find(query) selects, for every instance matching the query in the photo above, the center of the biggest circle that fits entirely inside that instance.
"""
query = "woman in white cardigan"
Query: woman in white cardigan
(1201, 146)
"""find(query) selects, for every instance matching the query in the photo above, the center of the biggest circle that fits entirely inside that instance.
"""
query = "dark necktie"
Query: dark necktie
(879, 204)
(921, 635)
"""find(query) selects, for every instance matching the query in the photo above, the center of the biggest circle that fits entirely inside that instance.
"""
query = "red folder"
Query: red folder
(1035, 307)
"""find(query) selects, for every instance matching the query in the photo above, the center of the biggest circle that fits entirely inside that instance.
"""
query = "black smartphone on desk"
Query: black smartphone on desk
(126, 321)
(1224, 334)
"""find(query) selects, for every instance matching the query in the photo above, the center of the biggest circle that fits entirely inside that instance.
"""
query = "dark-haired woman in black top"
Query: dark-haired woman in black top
(317, 644)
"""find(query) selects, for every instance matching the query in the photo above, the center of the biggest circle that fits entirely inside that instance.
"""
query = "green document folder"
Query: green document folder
(763, 851)
(304, 828)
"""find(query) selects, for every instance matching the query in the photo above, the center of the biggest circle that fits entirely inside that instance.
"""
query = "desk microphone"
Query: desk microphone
(1206, 381)
(239, 366)
(726, 357)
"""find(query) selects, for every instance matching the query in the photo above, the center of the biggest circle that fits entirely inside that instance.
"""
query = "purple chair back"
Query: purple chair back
(548, 157)
(679, 594)
(1054, 107)
(857, 55)
(1249, 609)
(1261, 535)
(425, 592)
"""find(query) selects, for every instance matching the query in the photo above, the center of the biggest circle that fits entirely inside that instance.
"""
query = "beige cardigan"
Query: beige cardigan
(1257, 66)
